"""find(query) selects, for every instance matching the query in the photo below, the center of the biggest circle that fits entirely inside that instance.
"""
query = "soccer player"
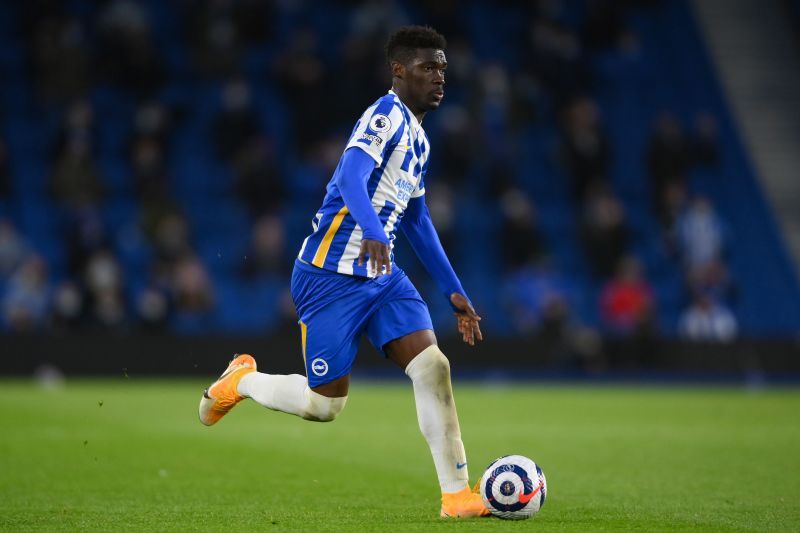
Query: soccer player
(345, 282)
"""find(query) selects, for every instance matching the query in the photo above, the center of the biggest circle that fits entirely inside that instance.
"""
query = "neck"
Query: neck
(401, 93)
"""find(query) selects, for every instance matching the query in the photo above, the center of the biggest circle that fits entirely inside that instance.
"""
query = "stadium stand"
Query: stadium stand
(160, 163)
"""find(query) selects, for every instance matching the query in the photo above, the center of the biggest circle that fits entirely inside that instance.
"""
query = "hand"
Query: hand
(378, 256)
(467, 319)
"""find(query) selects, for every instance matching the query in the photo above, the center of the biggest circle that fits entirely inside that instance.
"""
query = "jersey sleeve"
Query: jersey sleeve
(378, 129)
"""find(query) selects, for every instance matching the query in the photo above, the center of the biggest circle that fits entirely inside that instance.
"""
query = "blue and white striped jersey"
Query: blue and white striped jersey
(389, 132)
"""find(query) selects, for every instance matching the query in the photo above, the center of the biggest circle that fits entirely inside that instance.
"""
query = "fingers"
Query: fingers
(469, 328)
(477, 330)
(376, 255)
(382, 259)
(388, 260)
(373, 263)
(362, 253)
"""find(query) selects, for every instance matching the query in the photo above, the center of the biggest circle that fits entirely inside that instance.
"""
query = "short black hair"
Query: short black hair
(402, 43)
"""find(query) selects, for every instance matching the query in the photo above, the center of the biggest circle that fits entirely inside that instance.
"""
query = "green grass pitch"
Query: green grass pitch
(129, 454)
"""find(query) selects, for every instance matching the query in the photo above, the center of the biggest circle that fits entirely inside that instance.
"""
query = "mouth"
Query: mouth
(438, 95)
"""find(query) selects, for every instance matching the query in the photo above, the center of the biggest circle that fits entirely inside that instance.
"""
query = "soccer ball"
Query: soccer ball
(513, 487)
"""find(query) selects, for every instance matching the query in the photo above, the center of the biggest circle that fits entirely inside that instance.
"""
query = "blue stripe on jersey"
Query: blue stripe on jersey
(386, 211)
(383, 215)
(406, 161)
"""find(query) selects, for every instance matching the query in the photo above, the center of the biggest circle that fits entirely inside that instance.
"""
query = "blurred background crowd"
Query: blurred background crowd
(160, 164)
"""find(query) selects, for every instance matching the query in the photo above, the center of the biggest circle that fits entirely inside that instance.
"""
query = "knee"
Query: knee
(431, 363)
(321, 408)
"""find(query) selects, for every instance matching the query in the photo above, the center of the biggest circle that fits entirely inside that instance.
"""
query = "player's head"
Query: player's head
(416, 57)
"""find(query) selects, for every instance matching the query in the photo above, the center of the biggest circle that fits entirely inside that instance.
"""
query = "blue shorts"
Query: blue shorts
(335, 309)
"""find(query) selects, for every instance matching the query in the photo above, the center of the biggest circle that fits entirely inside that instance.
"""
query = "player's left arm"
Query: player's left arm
(418, 228)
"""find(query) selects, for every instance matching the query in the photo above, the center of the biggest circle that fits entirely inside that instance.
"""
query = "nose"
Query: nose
(438, 78)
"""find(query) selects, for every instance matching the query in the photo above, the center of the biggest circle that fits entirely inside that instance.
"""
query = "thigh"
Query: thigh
(401, 351)
(401, 324)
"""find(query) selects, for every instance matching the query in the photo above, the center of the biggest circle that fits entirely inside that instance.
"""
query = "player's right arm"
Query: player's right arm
(351, 179)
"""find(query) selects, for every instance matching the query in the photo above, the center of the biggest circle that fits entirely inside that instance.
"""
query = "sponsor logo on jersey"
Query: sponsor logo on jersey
(319, 366)
(374, 139)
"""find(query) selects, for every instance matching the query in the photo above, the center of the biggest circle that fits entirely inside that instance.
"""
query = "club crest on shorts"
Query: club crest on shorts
(319, 366)
(380, 123)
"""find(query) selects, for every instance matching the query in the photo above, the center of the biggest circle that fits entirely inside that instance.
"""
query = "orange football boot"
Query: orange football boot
(222, 395)
(463, 504)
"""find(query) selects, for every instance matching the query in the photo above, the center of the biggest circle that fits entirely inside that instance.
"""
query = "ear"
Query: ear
(398, 69)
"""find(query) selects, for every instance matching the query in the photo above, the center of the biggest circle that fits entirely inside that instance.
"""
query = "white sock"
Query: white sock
(290, 394)
(436, 411)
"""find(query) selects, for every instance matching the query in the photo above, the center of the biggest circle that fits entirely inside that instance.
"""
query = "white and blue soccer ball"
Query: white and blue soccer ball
(513, 487)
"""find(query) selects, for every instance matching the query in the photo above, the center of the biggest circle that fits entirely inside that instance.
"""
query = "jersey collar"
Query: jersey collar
(414, 120)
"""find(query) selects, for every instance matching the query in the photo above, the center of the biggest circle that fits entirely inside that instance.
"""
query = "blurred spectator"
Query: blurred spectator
(536, 297)
(192, 286)
(699, 233)
(61, 57)
(214, 35)
(495, 107)
(171, 239)
(603, 231)
(626, 303)
(69, 307)
(707, 320)
(149, 171)
(75, 180)
(85, 234)
(439, 199)
(302, 77)
(236, 123)
(266, 255)
(456, 145)
(259, 181)
(585, 148)
(103, 280)
(556, 58)
(377, 17)
(462, 64)
(153, 309)
(672, 204)
(13, 249)
(362, 59)
(5, 172)
(78, 125)
(668, 158)
(128, 57)
(26, 298)
(705, 140)
(154, 122)
(712, 279)
(527, 101)
(520, 239)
